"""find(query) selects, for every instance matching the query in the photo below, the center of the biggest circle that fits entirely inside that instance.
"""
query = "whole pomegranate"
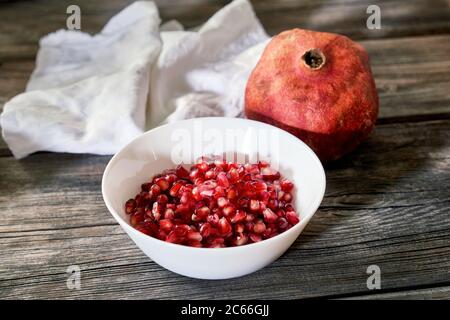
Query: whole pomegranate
(319, 87)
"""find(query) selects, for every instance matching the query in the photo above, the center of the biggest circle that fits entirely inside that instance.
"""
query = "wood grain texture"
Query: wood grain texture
(22, 21)
(439, 293)
(386, 204)
(412, 76)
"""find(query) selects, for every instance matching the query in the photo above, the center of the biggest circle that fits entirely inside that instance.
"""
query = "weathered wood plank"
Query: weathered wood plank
(412, 76)
(439, 293)
(398, 18)
(22, 22)
(14, 76)
(386, 204)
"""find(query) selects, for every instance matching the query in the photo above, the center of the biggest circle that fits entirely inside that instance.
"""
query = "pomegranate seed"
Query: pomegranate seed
(157, 210)
(152, 226)
(287, 197)
(272, 193)
(259, 227)
(194, 235)
(222, 180)
(139, 200)
(231, 193)
(222, 165)
(269, 216)
(217, 243)
(210, 184)
(263, 164)
(272, 204)
(169, 214)
(199, 181)
(286, 185)
(213, 219)
(219, 192)
(243, 202)
(182, 209)
(239, 216)
(130, 206)
(288, 207)
(171, 178)
(250, 217)
(239, 228)
(181, 229)
(202, 213)
(205, 230)
(233, 175)
(254, 205)
(196, 194)
(249, 226)
(175, 189)
(181, 172)
(162, 199)
(228, 211)
(174, 238)
(211, 173)
(146, 186)
(222, 202)
(154, 191)
(194, 174)
(240, 240)
(147, 198)
(270, 174)
(259, 186)
(282, 223)
(136, 218)
(206, 192)
(194, 243)
(255, 237)
(233, 165)
(211, 203)
(186, 188)
(202, 166)
(143, 229)
(224, 226)
(185, 197)
(264, 196)
(281, 213)
(165, 224)
(162, 183)
(214, 204)
(162, 235)
(292, 217)
(214, 232)
(248, 190)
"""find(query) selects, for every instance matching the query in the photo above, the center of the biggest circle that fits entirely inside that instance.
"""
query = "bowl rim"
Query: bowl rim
(124, 224)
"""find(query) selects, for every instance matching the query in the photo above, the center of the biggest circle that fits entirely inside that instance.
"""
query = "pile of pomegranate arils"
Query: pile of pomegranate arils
(215, 204)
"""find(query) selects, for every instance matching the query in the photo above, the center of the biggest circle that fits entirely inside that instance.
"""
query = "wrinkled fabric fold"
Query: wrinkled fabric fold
(93, 94)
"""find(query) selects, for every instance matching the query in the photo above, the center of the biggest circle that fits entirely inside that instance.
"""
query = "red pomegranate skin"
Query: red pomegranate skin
(332, 107)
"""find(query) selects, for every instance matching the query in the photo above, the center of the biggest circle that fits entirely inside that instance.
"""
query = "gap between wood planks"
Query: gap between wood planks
(384, 292)
(412, 75)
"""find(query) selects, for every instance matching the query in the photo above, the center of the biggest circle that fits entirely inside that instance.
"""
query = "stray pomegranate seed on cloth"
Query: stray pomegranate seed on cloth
(215, 204)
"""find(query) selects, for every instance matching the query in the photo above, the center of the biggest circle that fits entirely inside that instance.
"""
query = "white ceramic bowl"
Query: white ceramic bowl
(153, 152)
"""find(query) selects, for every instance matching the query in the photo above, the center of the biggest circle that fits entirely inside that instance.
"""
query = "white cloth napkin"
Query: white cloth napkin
(93, 94)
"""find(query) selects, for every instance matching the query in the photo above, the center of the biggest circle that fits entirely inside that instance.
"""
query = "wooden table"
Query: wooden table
(387, 204)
